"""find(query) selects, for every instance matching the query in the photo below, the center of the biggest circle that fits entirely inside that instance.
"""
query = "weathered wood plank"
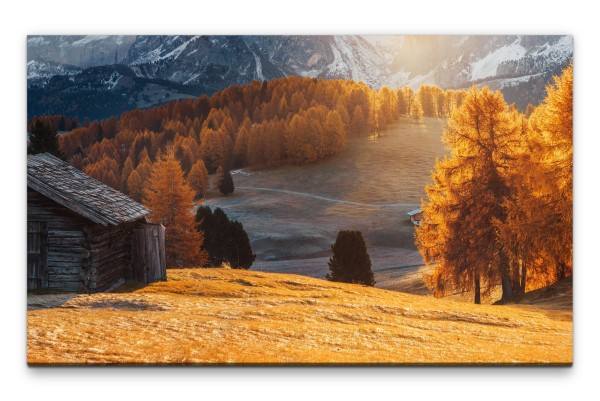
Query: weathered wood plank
(37, 250)
(58, 233)
(65, 257)
(57, 264)
(102, 254)
(148, 254)
(69, 286)
(68, 241)
(64, 277)
(64, 269)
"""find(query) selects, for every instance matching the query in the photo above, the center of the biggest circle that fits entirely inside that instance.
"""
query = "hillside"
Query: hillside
(295, 212)
(558, 296)
(227, 316)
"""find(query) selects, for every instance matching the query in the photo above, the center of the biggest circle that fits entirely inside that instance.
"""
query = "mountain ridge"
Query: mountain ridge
(518, 65)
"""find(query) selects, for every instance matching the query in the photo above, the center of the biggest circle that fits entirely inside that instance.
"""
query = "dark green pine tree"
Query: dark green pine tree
(224, 240)
(240, 251)
(350, 262)
(221, 242)
(44, 139)
(226, 183)
(207, 223)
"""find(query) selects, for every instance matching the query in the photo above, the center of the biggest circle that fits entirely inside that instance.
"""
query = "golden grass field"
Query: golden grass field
(224, 316)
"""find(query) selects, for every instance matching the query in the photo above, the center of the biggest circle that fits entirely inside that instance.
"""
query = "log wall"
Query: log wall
(67, 254)
(110, 250)
(82, 256)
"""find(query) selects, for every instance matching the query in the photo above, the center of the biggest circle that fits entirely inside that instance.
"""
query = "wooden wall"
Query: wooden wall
(81, 255)
(110, 254)
(67, 251)
(149, 260)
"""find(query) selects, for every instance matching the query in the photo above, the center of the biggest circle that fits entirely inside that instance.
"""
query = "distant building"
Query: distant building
(416, 216)
(83, 235)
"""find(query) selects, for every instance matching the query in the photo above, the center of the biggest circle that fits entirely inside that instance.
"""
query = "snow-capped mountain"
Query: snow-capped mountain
(520, 66)
(42, 70)
(80, 51)
(453, 61)
(219, 61)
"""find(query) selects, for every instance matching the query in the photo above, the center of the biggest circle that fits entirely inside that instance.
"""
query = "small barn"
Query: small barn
(83, 235)
(416, 216)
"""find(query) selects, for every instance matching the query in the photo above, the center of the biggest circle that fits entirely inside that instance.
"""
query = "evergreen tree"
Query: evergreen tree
(170, 200)
(44, 139)
(225, 240)
(214, 237)
(240, 252)
(350, 262)
(226, 183)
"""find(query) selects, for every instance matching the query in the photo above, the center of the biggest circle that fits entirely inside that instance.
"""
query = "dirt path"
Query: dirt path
(324, 198)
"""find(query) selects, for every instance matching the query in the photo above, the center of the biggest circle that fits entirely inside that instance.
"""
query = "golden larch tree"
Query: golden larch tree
(171, 202)
(416, 110)
(198, 178)
(134, 186)
(540, 212)
(459, 236)
(125, 173)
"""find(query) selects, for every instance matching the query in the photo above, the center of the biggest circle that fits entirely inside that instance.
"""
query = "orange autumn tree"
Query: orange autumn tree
(551, 126)
(540, 210)
(171, 202)
(198, 178)
(459, 237)
(416, 110)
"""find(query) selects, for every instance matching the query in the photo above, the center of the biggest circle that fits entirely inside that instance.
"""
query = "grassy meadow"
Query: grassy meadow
(223, 316)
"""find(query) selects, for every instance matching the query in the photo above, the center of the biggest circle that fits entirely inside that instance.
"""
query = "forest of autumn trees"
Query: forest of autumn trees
(163, 156)
(289, 120)
(499, 212)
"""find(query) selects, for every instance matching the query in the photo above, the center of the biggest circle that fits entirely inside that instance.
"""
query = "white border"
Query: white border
(299, 17)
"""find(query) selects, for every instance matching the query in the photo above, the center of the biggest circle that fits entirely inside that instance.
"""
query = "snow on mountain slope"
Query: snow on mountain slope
(356, 59)
(205, 64)
(78, 50)
(90, 39)
(488, 66)
(44, 69)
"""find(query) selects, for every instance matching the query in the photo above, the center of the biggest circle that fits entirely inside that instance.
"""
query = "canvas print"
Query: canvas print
(290, 200)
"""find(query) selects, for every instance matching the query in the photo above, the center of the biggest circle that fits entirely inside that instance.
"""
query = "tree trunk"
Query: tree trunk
(562, 271)
(523, 277)
(477, 289)
(507, 291)
(516, 277)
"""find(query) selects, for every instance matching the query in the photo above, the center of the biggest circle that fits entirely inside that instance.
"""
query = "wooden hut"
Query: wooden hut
(416, 216)
(83, 235)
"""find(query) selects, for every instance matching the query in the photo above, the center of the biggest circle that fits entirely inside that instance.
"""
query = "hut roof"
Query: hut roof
(79, 192)
(413, 212)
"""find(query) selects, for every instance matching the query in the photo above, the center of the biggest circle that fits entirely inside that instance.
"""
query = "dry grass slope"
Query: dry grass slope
(203, 316)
